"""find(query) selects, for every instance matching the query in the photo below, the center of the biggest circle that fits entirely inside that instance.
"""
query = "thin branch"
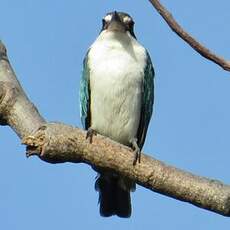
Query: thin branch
(203, 51)
(58, 143)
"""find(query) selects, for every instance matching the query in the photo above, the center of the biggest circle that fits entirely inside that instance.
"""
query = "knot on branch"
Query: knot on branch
(35, 143)
(44, 141)
(8, 95)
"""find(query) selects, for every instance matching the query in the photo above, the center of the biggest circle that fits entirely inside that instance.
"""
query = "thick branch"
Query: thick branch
(15, 108)
(57, 143)
(188, 38)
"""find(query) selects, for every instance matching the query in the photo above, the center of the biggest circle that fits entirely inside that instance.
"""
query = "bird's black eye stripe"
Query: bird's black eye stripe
(131, 23)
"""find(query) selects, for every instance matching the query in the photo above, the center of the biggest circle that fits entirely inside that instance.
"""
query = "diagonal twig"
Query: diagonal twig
(202, 50)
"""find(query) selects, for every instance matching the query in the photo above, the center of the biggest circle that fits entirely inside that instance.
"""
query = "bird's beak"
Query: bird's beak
(116, 24)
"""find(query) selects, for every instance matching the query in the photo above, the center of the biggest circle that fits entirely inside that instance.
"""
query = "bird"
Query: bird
(116, 100)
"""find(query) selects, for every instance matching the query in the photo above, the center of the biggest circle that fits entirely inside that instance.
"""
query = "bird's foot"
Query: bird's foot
(90, 133)
(136, 150)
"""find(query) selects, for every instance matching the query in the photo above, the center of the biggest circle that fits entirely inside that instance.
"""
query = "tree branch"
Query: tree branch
(58, 143)
(202, 50)
(16, 110)
(55, 142)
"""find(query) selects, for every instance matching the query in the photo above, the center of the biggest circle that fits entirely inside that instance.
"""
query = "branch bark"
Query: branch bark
(16, 110)
(58, 143)
(202, 50)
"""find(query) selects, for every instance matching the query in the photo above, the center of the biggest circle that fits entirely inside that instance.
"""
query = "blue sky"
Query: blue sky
(46, 42)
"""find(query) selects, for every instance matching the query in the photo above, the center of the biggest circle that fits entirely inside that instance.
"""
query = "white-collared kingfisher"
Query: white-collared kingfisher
(116, 96)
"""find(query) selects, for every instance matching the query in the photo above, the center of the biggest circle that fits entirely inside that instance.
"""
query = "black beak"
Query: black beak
(116, 24)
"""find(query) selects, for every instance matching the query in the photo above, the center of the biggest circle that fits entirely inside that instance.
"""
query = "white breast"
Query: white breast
(116, 62)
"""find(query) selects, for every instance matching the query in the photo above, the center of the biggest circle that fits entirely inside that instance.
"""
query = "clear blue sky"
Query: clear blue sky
(46, 42)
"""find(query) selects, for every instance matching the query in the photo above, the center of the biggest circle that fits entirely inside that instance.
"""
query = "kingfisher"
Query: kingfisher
(116, 98)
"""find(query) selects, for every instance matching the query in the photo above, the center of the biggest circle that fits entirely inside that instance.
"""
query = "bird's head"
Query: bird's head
(118, 22)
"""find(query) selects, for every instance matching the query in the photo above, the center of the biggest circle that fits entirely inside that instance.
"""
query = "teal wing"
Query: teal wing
(85, 95)
(146, 102)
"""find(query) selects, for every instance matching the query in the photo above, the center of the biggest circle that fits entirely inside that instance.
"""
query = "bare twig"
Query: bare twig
(188, 38)
(57, 143)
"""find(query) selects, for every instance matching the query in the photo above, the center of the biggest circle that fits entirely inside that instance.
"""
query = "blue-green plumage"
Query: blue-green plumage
(85, 95)
(147, 98)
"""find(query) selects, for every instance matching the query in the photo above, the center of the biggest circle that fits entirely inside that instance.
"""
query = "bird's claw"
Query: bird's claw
(89, 135)
(137, 151)
(137, 158)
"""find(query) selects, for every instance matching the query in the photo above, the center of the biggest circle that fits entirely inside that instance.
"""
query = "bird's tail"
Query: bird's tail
(114, 195)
